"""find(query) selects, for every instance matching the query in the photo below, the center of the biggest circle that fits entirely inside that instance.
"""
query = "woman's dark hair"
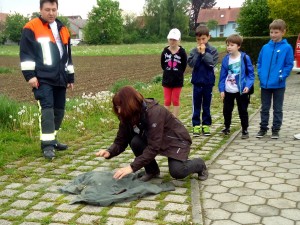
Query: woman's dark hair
(130, 101)
(51, 1)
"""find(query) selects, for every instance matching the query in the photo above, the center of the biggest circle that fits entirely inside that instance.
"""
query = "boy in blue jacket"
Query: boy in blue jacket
(236, 79)
(275, 62)
(203, 60)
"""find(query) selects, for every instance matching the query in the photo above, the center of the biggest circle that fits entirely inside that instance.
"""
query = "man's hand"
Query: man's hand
(34, 83)
(120, 173)
(71, 85)
(103, 153)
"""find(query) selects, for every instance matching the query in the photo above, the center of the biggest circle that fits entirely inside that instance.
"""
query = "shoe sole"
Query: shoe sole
(196, 135)
(245, 137)
(274, 137)
(206, 134)
(260, 136)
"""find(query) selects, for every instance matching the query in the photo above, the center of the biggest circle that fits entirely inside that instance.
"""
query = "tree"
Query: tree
(254, 18)
(196, 6)
(212, 25)
(288, 10)
(105, 24)
(2, 33)
(14, 25)
(163, 15)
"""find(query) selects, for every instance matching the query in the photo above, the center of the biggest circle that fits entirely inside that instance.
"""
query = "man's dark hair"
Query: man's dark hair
(51, 1)
(202, 30)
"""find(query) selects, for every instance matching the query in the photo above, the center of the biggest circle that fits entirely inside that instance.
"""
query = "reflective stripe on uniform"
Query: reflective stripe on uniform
(45, 44)
(70, 69)
(47, 137)
(28, 65)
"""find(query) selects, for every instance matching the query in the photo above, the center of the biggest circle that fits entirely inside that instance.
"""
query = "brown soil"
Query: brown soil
(92, 74)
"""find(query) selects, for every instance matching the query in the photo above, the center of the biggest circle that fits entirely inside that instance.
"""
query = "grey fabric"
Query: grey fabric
(100, 188)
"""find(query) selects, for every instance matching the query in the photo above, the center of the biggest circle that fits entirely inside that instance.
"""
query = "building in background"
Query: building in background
(226, 19)
(76, 26)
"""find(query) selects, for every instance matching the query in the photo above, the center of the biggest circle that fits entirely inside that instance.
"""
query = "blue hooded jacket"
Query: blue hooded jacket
(275, 62)
(243, 80)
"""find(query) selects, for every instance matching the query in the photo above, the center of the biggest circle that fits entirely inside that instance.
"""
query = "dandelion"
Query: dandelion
(10, 116)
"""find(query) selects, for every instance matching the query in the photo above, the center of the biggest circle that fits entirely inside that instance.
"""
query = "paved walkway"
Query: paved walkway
(257, 181)
(251, 181)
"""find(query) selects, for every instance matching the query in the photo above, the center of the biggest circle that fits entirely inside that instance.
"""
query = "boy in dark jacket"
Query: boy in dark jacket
(275, 62)
(203, 60)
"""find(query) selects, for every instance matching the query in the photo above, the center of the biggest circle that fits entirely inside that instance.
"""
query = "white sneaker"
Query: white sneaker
(297, 136)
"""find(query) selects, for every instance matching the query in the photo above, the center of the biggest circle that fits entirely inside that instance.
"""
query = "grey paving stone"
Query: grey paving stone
(13, 213)
(88, 219)
(217, 214)
(62, 216)
(37, 215)
(91, 209)
(5, 222)
(258, 186)
(284, 188)
(277, 220)
(68, 207)
(211, 204)
(232, 183)
(51, 196)
(225, 197)
(34, 187)
(264, 210)
(3, 201)
(8, 192)
(30, 223)
(28, 195)
(272, 180)
(21, 203)
(176, 198)
(14, 186)
(144, 223)
(224, 222)
(217, 189)
(292, 214)
(118, 211)
(235, 207)
(268, 193)
(281, 203)
(176, 207)
(245, 218)
(176, 218)
(43, 205)
(116, 221)
(147, 204)
(147, 214)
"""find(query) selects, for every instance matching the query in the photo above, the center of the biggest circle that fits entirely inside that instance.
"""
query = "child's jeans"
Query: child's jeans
(266, 99)
(242, 104)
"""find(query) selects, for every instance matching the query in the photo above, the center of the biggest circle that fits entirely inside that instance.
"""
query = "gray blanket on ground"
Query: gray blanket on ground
(100, 188)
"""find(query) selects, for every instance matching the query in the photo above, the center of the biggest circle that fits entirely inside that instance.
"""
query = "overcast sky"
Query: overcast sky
(82, 7)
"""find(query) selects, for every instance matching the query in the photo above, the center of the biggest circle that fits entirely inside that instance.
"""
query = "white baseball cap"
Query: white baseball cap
(174, 34)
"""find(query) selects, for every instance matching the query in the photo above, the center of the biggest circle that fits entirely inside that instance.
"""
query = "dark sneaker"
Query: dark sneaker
(148, 176)
(245, 134)
(225, 131)
(196, 131)
(206, 130)
(261, 133)
(60, 147)
(203, 175)
(49, 152)
(275, 134)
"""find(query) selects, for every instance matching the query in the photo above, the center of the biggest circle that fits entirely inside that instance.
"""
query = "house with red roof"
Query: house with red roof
(3, 17)
(226, 18)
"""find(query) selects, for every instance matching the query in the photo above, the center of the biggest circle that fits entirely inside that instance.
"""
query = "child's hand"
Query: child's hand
(246, 90)
(222, 95)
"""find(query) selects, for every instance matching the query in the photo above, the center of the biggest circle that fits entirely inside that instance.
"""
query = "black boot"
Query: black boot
(60, 146)
(48, 149)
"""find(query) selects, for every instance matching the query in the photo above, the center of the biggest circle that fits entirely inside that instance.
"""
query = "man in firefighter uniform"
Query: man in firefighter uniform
(46, 63)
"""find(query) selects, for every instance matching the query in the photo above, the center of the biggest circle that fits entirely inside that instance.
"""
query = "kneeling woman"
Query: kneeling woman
(151, 130)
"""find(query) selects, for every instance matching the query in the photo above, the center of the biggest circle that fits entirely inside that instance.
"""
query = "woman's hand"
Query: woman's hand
(120, 173)
(246, 90)
(222, 95)
(103, 153)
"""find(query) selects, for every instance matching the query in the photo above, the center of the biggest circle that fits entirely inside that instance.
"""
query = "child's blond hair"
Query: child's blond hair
(235, 39)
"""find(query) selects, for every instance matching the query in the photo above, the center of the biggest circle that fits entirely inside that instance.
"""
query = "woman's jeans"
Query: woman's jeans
(178, 169)
(277, 94)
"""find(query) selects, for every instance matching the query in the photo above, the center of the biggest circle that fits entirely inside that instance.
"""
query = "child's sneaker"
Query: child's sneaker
(225, 131)
(245, 134)
(261, 133)
(206, 130)
(275, 134)
(196, 131)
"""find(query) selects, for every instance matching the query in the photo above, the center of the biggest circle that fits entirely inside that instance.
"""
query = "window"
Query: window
(233, 26)
(221, 28)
